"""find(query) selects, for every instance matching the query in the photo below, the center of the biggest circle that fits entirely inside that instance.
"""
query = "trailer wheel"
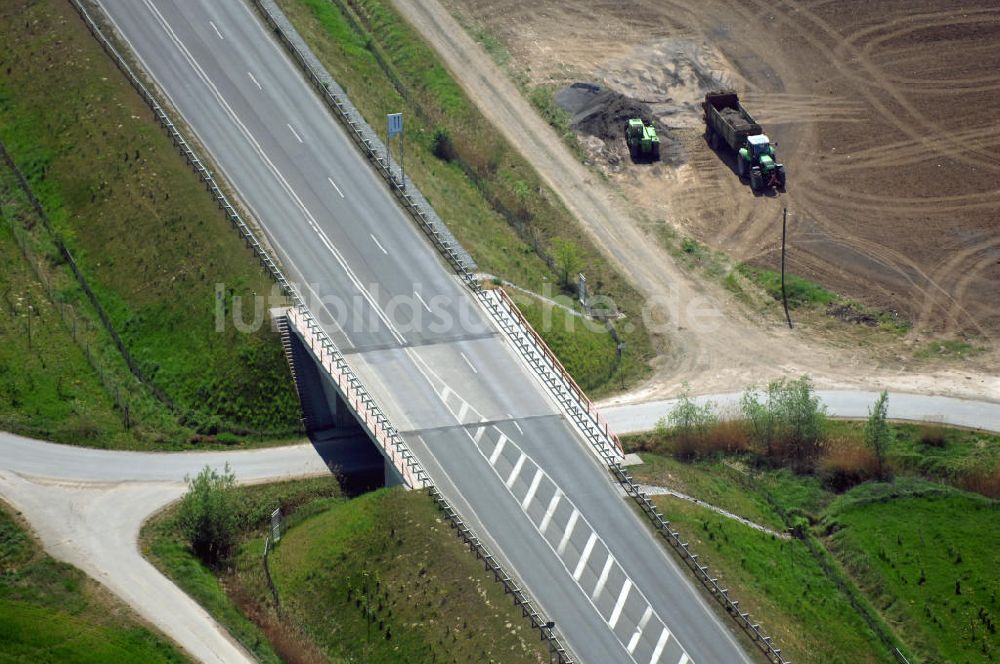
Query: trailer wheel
(713, 140)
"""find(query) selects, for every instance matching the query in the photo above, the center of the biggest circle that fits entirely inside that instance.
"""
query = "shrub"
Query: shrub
(932, 434)
(787, 423)
(729, 435)
(847, 463)
(688, 425)
(442, 147)
(209, 514)
(986, 483)
(878, 432)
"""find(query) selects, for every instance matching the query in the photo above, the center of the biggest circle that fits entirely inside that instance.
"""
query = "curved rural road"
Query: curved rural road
(985, 415)
(87, 505)
(711, 343)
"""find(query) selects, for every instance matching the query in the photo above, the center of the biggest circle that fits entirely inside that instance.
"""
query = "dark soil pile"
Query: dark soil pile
(600, 112)
(733, 117)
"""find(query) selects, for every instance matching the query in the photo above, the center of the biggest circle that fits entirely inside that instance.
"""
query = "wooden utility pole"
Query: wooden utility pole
(784, 296)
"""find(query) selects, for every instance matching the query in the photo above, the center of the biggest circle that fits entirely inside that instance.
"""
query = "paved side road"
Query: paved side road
(88, 505)
(985, 415)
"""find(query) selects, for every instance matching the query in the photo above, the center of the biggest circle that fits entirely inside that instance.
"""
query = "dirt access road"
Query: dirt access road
(714, 345)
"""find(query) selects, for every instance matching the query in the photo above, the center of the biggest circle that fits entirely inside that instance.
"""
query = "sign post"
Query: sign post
(276, 525)
(395, 126)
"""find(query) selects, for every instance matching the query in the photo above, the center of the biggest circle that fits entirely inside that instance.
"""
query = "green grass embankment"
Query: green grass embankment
(490, 197)
(927, 556)
(909, 559)
(429, 597)
(147, 236)
(51, 611)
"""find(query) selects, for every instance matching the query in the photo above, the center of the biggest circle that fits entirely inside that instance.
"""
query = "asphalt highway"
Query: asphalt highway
(492, 439)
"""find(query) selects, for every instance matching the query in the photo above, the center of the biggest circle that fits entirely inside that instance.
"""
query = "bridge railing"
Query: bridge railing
(580, 408)
(369, 414)
(721, 594)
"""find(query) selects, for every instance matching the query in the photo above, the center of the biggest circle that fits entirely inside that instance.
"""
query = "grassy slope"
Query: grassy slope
(144, 231)
(909, 545)
(162, 543)
(491, 198)
(780, 584)
(430, 596)
(82, 622)
(47, 390)
(882, 534)
(397, 536)
(584, 346)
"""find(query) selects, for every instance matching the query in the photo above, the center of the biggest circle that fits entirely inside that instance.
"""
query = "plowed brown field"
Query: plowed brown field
(886, 115)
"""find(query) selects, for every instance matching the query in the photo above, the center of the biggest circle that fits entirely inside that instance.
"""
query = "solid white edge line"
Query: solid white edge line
(274, 170)
(535, 481)
(570, 525)
(342, 196)
(294, 133)
(587, 550)
(378, 244)
(620, 604)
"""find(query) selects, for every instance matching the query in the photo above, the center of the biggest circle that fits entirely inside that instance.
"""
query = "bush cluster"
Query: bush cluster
(782, 424)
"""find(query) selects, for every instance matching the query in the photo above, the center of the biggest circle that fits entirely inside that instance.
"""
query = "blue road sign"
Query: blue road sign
(395, 123)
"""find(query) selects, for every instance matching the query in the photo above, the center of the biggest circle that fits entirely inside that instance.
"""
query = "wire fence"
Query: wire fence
(69, 316)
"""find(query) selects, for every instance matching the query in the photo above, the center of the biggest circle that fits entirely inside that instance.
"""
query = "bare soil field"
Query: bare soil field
(885, 115)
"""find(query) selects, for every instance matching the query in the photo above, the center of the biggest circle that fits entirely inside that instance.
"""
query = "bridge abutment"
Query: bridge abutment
(329, 420)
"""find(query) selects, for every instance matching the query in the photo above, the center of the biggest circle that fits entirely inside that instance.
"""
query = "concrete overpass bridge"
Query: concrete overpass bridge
(451, 387)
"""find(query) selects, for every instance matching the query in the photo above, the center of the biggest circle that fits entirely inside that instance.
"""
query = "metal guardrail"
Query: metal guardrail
(580, 408)
(365, 404)
(732, 606)
(371, 418)
(368, 409)
(521, 598)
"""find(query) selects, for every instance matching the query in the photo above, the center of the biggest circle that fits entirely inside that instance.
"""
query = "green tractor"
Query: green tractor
(643, 143)
(756, 161)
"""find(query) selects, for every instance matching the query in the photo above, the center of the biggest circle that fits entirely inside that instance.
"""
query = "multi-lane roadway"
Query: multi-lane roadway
(492, 439)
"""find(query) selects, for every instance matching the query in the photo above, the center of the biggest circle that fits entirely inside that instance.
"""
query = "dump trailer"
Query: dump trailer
(643, 143)
(728, 122)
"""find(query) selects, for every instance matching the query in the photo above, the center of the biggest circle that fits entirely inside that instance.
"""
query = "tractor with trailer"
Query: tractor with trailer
(643, 143)
(727, 121)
